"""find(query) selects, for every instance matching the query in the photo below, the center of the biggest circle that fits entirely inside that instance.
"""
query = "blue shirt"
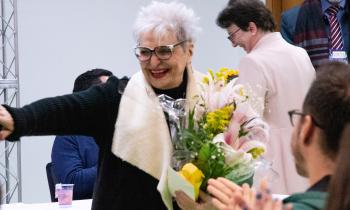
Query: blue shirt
(74, 161)
(325, 5)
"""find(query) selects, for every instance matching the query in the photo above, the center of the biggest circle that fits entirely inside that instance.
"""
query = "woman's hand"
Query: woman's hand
(6, 123)
(186, 203)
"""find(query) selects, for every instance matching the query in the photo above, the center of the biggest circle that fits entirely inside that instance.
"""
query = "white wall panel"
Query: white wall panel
(59, 39)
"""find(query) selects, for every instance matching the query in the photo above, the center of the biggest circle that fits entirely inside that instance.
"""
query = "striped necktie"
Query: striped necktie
(336, 40)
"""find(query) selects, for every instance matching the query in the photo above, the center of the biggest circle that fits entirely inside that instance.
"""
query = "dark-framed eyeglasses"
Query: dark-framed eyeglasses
(162, 52)
(230, 35)
(293, 117)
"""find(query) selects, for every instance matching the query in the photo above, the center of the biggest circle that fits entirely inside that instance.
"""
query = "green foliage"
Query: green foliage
(240, 174)
(211, 161)
(209, 158)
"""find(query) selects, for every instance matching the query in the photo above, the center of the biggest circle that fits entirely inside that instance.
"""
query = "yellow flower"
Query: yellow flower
(211, 74)
(223, 70)
(224, 74)
(221, 75)
(193, 175)
(232, 73)
(218, 120)
(205, 80)
(257, 152)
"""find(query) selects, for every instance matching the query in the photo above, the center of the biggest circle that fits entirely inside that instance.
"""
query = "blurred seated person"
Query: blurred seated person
(74, 158)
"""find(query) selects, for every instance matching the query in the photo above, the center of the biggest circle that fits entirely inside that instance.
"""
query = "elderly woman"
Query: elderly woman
(133, 135)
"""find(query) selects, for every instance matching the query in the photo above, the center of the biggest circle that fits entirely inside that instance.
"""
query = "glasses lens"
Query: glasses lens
(295, 117)
(143, 53)
(163, 52)
(230, 35)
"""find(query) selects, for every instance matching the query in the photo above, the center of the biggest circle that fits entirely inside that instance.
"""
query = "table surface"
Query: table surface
(76, 205)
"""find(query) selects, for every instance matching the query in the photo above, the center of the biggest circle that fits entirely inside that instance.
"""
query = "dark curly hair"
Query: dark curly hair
(89, 78)
(242, 12)
(328, 102)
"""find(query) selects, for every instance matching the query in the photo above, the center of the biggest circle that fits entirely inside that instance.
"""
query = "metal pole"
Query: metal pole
(19, 170)
(9, 84)
(3, 44)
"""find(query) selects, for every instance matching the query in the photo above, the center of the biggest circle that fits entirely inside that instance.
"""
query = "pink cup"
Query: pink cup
(64, 194)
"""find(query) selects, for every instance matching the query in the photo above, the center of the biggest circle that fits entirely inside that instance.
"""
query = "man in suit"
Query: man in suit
(309, 26)
(278, 73)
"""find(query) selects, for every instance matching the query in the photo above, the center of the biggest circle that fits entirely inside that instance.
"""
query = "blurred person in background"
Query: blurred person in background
(279, 75)
(74, 158)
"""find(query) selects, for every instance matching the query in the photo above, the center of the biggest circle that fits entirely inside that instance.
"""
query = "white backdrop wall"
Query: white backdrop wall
(59, 39)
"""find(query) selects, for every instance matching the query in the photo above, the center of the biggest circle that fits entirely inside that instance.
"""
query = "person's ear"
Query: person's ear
(252, 28)
(306, 130)
(190, 47)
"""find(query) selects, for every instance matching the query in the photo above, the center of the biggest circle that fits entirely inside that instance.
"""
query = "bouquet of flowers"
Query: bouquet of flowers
(221, 137)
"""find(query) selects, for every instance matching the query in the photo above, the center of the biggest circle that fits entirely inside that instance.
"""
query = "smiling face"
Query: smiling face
(165, 74)
(239, 37)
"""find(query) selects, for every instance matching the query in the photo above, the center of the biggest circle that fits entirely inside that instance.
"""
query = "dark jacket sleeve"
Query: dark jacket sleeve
(74, 161)
(89, 112)
(288, 21)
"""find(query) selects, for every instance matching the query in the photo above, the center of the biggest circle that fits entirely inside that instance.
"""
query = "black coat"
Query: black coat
(93, 112)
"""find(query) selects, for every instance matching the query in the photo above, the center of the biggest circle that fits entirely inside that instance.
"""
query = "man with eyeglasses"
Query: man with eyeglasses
(278, 73)
(318, 127)
(126, 120)
(315, 144)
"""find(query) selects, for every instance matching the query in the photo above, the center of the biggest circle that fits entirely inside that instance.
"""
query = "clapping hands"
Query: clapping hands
(226, 195)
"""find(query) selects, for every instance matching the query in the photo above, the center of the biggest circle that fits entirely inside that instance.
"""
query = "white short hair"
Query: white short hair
(162, 18)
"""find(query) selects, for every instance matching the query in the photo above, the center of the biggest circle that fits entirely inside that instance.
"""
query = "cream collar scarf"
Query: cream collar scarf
(141, 135)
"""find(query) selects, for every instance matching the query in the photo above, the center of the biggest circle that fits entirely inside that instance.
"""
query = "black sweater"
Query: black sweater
(93, 112)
